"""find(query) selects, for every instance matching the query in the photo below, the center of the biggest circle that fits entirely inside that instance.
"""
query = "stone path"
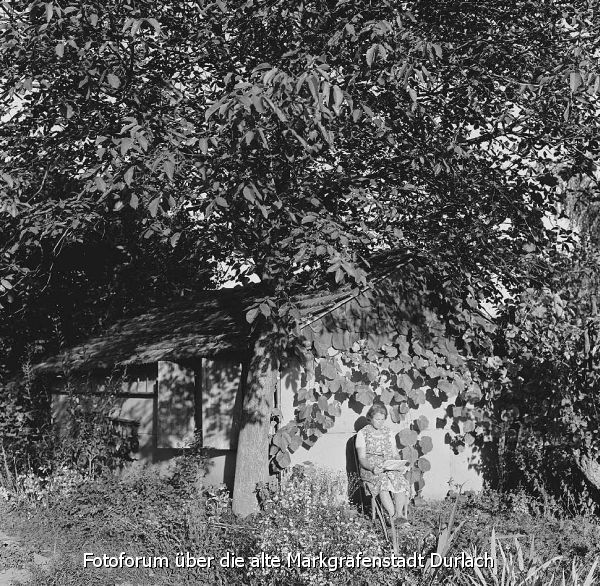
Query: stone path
(14, 558)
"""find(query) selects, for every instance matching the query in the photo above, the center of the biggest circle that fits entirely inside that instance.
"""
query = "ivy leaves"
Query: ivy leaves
(399, 372)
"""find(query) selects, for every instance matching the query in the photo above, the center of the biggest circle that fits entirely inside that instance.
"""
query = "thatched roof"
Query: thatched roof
(210, 324)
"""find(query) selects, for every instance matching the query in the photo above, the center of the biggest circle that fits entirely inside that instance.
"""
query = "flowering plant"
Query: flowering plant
(30, 488)
(310, 515)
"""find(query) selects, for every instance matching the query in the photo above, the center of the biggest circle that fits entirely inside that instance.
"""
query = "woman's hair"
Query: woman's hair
(376, 408)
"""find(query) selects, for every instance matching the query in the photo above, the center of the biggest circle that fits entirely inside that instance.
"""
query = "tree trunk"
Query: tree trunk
(252, 460)
(590, 469)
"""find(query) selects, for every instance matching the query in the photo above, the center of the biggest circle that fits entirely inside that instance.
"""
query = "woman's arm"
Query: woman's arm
(361, 452)
(363, 460)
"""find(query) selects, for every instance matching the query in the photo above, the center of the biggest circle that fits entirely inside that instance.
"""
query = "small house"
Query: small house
(182, 372)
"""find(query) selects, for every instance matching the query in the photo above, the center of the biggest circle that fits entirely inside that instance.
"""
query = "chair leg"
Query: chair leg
(394, 536)
(379, 512)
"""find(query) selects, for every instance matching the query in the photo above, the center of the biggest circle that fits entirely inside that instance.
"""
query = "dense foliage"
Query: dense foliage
(420, 364)
(277, 138)
(544, 392)
(145, 513)
(147, 145)
(86, 434)
(25, 430)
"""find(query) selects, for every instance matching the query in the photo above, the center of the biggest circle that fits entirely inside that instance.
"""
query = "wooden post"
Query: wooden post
(252, 458)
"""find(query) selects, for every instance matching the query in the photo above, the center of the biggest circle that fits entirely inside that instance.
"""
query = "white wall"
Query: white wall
(330, 448)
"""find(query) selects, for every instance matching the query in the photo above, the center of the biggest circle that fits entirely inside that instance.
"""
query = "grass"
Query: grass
(146, 515)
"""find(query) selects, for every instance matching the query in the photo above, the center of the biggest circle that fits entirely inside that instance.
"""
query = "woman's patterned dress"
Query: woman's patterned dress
(380, 446)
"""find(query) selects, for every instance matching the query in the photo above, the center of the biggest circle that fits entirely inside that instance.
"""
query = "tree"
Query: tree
(291, 141)
(543, 392)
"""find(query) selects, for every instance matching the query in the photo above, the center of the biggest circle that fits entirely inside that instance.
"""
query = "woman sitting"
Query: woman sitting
(376, 446)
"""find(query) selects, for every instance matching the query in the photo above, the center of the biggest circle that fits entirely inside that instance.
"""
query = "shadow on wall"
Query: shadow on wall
(205, 396)
(174, 413)
(221, 408)
(356, 490)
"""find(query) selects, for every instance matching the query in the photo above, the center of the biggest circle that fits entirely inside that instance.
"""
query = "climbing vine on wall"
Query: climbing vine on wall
(417, 364)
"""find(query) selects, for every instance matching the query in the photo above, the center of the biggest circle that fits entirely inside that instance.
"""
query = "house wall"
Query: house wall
(132, 402)
(374, 318)
(221, 414)
(332, 449)
(167, 402)
(175, 420)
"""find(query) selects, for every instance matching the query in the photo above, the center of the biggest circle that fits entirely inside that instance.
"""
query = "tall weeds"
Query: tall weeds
(518, 569)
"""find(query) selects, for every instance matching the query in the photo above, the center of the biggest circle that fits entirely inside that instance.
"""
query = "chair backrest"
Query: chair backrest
(356, 479)
(355, 454)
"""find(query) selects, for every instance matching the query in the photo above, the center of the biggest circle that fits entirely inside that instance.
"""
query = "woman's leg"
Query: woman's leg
(386, 501)
(401, 504)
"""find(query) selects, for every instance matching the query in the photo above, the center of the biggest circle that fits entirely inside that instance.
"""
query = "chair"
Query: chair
(377, 511)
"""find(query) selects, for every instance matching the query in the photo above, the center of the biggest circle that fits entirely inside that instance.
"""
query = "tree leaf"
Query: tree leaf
(334, 409)
(276, 109)
(211, 110)
(426, 444)
(424, 464)
(575, 80)
(153, 206)
(126, 144)
(113, 80)
(370, 55)
(175, 239)
(155, 24)
(269, 75)
(100, 184)
(338, 97)
(249, 194)
(408, 437)
(251, 315)
(169, 168)
(128, 177)
(283, 459)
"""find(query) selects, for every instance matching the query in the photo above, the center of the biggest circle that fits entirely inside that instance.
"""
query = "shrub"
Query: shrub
(310, 515)
(511, 514)
(142, 512)
(87, 437)
(25, 432)
(518, 566)
(32, 489)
